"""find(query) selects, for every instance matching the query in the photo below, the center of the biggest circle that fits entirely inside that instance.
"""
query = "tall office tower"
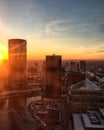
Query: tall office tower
(53, 76)
(72, 65)
(82, 66)
(75, 66)
(17, 63)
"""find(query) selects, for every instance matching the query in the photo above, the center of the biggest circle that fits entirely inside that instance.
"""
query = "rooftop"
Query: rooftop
(86, 85)
(82, 121)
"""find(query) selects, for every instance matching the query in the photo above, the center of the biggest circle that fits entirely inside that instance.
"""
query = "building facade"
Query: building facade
(53, 76)
(74, 77)
(82, 66)
(84, 100)
(17, 49)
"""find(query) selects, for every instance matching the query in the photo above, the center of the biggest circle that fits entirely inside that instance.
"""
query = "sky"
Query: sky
(71, 28)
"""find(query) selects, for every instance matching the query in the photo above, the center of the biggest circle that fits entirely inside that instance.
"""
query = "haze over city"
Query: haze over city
(71, 28)
(51, 64)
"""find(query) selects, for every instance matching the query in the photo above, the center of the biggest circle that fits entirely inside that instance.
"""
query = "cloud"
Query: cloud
(81, 47)
(57, 26)
(99, 48)
(69, 28)
(5, 29)
(100, 51)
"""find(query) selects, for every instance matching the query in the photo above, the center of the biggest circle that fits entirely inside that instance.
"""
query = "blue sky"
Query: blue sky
(72, 28)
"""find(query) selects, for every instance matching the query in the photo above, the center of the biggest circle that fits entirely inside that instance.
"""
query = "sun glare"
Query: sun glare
(1, 57)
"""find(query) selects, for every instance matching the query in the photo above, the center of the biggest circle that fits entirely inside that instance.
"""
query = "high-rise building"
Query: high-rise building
(53, 76)
(74, 66)
(82, 66)
(17, 63)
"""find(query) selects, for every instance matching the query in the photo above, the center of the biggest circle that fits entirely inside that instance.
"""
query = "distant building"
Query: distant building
(78, 66)
(53, 76)
(17, 63)
(82, 65)
(73, 66)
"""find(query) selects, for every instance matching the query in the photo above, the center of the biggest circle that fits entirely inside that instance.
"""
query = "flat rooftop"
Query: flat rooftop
(88, 125)
(85, 85)
(83, 122)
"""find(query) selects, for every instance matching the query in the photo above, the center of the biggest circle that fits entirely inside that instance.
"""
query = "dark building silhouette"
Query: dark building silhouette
(74, 77)
(76, 66)
(82, 66)
(72, 65)
(17, 103)
(17, 63)
(53, 76)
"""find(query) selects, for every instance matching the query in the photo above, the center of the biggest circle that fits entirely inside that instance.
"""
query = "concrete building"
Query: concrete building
(90, 120)
(17, 49)
(85, 95)
(53, 76)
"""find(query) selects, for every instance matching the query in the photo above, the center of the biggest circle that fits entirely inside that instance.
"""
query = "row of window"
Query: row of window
(84, 107)
(86, 99)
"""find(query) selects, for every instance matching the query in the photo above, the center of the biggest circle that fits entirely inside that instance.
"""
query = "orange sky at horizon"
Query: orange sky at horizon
(38, 52)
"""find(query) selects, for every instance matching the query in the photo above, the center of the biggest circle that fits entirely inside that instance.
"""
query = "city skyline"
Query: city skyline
(71, 28)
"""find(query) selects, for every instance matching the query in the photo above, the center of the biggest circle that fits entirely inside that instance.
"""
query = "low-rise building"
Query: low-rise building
(84, 96)
(91, 120)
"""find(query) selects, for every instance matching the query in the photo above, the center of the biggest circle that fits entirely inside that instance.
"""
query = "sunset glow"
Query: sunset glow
(1, 57)
(70, 28)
